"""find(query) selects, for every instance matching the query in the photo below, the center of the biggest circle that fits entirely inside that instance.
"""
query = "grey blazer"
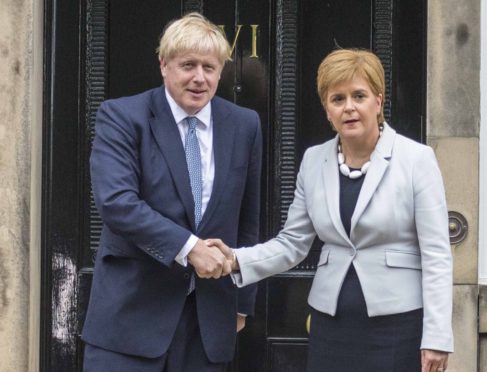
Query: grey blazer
(399, 243)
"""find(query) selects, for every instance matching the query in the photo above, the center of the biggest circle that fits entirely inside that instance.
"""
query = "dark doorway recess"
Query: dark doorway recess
(98, 49)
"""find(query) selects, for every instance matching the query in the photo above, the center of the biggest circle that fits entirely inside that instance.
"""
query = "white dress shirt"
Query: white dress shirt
(204, 132)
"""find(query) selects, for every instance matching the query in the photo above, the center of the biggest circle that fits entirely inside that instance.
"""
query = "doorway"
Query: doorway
(99, 49)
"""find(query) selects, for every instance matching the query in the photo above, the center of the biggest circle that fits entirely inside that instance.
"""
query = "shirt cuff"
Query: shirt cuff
(182, 257)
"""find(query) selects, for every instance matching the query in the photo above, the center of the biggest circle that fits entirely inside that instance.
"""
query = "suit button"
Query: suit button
(186, 276)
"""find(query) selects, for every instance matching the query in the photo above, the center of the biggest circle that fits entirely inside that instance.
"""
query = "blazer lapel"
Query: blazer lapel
(332, 188)
(379, 161)
(223, 145)
(167, 137)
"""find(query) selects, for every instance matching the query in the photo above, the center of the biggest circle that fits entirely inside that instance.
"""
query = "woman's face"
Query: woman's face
(352, 108)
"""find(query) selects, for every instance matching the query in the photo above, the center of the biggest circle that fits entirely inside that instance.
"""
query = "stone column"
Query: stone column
(453, 120)
(20, 120)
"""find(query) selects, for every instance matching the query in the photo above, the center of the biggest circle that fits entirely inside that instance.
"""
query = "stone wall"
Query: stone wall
(452, 128)
(17, 90)
(453, 122)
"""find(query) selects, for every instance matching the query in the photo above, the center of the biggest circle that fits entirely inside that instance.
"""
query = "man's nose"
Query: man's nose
(198, 73)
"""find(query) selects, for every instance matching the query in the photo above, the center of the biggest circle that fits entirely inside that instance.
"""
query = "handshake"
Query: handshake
(212, 258)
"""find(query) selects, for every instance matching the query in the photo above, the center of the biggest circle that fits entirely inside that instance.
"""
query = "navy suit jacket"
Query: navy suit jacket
(142, 191)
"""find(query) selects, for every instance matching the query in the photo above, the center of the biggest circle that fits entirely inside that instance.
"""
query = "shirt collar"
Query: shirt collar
(203, 115)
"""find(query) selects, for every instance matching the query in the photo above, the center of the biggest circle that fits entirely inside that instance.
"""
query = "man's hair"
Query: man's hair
(195, 33)
(345, 64)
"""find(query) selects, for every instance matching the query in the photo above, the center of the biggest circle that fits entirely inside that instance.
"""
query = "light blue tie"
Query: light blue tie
(193, 160)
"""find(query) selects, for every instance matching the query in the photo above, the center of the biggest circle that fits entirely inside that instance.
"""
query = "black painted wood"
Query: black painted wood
(95, 92)
(382, 45)
(408, 88)
(285, 108)
(61, 189)
(287, 355)
(99, 49)
(193, 6)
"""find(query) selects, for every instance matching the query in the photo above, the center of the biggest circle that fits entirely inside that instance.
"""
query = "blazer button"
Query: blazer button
(186, 276)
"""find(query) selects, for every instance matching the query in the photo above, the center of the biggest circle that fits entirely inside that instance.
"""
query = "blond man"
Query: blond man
(171, 167)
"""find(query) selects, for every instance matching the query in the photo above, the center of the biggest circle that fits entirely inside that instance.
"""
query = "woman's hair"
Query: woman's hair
(345, 64)
(195, 33)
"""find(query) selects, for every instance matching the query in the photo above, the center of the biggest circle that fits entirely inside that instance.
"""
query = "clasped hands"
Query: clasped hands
(212, 258)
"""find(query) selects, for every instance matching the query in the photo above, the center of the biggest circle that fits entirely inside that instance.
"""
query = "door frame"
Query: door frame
(63, 163)
(482, 269)
(35, 229)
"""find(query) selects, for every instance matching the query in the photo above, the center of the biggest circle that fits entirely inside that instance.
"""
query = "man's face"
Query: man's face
(191, 79)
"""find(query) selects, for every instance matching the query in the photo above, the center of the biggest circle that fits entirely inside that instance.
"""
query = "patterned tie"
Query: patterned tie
(193, 160)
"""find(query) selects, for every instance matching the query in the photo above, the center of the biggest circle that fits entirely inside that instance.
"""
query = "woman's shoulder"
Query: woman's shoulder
(321, 149)
(407, 145)
(410, 154)
(316, 155)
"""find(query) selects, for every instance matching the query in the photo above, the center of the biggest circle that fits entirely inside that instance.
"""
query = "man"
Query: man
(170, 167)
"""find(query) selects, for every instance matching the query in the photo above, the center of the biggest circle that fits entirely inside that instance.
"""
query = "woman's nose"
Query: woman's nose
(349, 105)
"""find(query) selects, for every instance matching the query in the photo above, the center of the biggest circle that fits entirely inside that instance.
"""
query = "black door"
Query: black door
(98, 49)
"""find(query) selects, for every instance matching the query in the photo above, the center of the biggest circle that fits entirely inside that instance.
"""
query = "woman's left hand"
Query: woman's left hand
(433, 361)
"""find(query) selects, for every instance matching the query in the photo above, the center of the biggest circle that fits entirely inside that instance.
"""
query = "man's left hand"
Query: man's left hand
(240, 322)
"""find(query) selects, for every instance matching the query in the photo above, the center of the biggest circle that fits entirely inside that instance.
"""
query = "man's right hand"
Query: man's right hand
(226, 250)
(208, 262)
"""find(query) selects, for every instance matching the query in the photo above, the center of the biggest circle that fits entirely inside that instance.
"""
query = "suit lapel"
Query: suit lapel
(223, 145)
(167, 137)
(379, 161)
(332, 188)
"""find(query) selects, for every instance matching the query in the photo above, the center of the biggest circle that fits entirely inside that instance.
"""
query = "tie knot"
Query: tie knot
(192, 121)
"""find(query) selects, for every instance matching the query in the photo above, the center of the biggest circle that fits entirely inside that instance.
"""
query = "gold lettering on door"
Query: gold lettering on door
(254, 41)
(254, 34)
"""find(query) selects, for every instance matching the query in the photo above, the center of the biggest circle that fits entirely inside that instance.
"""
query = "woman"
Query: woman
(382, 292)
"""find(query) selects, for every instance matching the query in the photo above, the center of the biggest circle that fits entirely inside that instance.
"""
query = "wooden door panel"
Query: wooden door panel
(287, 356)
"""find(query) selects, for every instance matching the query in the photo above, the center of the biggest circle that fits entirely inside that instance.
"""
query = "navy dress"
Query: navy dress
(351, 341)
